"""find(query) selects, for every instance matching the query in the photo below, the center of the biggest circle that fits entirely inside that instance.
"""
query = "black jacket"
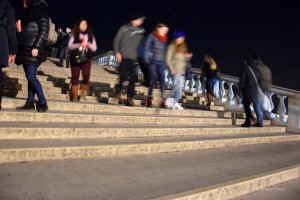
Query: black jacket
(34, 34)
(248, 86)
(8, 38)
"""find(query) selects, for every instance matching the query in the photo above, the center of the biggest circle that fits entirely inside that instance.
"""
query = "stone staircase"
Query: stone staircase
(103, 151)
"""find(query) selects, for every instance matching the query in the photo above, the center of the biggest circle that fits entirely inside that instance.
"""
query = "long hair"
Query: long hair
(180, 48)
(211, 61)
(76, 30)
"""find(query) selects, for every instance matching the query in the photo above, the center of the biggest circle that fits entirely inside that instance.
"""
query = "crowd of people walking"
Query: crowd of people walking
(25, 42)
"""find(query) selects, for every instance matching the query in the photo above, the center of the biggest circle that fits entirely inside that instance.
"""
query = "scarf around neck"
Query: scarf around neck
(163, 39)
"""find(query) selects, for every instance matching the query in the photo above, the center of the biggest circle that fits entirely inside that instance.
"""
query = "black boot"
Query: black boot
(29, 105)
(41, 107)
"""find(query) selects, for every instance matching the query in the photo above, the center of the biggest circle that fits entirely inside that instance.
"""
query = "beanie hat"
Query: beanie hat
(137, 15)
(178, 34)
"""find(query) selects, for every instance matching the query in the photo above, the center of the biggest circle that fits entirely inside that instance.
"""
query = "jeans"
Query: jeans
(64, 53)
(127, 67)
(157, 69)
(34, 85)
(257, 110)
(178, 84)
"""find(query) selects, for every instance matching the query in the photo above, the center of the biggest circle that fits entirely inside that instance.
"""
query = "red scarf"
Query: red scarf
(162, 38)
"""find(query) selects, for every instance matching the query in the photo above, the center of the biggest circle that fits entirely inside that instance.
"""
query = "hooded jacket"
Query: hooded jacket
(35, 28)
(127, 41)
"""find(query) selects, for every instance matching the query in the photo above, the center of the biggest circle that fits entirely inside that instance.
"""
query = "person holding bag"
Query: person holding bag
(250, 79)
(32, 42)
(82, 44)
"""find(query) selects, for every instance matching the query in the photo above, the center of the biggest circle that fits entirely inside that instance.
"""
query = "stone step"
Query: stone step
(11, 115)
(34, 150)
(20, 131)
(152, 176)
(240, 187)
(106, 108)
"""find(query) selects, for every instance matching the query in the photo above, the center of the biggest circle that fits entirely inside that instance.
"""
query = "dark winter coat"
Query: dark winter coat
(35, 28)
(8, 40)
(248, 86)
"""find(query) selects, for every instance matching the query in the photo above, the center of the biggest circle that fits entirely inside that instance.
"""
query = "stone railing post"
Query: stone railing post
(294, 114)
(230, 94)
(281, 110)
(222, 91)
(217, 89)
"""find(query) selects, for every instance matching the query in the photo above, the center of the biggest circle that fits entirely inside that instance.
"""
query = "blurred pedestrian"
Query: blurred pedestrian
(125, 44)
(155, 55)
(250, 75)
(32, 41)
(266, 82)
(210, 71)
(8, 40)
(177, 60)
(64, 52)
(82, 45)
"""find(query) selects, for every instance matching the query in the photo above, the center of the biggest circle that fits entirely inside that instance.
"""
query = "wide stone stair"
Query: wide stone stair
(93, 150)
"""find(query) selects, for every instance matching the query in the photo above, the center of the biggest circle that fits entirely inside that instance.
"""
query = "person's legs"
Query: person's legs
(153, 78)
(61, 56)
(1, 85)
(258, 112)
(131, 85)
(35, 83)
(86, 72)
(247, 122)
(122, 77)
(178, 84)
(75, 71)
(161, 72)
(67, 51)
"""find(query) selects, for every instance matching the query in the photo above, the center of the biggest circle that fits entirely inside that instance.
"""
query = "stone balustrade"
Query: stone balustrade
(226, 89)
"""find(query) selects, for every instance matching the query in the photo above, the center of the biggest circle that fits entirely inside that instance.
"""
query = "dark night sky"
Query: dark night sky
(228, 30)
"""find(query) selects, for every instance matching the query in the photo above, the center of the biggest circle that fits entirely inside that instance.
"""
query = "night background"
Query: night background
(227, 30)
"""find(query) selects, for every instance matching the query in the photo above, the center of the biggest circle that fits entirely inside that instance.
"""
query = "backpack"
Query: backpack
(52, 34)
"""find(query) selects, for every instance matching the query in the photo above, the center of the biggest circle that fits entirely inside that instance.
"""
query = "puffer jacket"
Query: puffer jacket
(33, 36)
(155, 50)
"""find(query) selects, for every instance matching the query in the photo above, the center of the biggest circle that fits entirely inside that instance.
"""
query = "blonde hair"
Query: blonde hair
(211, 61)
(180, 48)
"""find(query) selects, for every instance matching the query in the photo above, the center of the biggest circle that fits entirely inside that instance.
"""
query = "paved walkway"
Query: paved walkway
(141, 177)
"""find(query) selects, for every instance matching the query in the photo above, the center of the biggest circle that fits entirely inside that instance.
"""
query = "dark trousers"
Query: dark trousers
(157, 70)
(85, 70)
(127, 68)
(1, 85)
(34, 85)
(64, 54)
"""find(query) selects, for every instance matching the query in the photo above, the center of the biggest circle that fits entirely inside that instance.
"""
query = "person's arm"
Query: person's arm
(93, 45)
(11, 32)
(170, 52)
(148, 48)
(72, 45)
(43, 27)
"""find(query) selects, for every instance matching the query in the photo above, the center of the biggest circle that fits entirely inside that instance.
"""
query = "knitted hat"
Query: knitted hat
(137, 15)
(178, 34)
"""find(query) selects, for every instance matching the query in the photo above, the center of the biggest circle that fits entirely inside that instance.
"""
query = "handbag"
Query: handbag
(266, 104)
(80, 58)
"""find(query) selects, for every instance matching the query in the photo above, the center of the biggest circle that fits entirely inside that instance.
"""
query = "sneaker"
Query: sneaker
(177, 106)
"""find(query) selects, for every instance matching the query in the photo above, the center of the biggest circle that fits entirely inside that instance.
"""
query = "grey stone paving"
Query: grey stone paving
(141, 177)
